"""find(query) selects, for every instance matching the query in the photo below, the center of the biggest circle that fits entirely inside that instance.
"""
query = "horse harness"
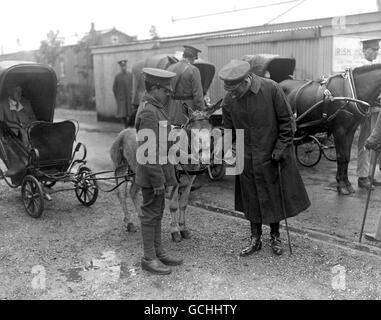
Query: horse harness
(329, 98)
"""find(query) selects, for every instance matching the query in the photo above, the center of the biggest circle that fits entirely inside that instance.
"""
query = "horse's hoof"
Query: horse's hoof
(351, 189)
(176, 236)
(131, 227)
(185, 234)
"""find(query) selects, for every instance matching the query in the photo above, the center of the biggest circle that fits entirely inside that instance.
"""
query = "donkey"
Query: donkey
(123, 156)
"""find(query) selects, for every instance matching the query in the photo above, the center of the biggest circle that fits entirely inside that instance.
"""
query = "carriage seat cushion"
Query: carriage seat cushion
(54, 142)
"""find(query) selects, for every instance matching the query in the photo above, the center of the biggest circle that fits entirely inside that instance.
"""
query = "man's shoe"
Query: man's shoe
(364, 183)
(255, 245)
(276, 245)
(376, 183)
(371, 237)
(155, 266)
(170, 261)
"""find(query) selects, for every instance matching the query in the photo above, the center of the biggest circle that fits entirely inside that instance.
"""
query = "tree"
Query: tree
(153, 33)
(50, 49)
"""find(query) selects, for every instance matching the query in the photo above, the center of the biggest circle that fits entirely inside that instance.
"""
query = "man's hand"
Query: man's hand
(277, 155)
(158, 191)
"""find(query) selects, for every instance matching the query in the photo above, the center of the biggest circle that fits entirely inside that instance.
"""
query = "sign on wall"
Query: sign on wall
(347, 52)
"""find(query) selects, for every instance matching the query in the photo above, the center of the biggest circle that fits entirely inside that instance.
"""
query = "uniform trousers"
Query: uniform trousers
(152, 213)
(363, 155)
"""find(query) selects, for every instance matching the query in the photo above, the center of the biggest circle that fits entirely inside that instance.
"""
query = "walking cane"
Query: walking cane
(373, 167)
(283, 206)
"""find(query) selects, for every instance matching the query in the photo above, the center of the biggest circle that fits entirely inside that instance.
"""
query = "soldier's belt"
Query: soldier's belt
(182, 97)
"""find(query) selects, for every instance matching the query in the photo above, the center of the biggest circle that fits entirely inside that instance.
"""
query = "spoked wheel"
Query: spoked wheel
(329, 149)
(32, 196)
(86, 188)
(216, 171)
(308, 151)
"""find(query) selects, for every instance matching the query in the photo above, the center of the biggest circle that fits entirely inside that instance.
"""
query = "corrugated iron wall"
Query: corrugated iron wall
(310, 59)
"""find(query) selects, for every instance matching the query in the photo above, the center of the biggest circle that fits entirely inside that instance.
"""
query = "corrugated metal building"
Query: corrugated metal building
(314, 44)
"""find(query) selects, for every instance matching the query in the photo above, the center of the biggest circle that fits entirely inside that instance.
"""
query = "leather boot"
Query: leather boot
(276, 244)
(169, 261)
(155, 266)
(255, 245)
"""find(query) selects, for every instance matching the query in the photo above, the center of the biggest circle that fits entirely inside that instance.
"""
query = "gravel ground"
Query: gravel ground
(73, 252)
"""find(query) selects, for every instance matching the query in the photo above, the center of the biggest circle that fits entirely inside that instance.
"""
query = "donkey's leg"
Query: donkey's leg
(122, 193)
(183, 203)
(134, 194)
(173, 209)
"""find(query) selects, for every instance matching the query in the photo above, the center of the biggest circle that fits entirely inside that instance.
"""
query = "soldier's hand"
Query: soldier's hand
(158, 191)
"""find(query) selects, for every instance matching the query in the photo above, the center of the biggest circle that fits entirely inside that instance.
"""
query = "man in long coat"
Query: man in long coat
(187, 86)
(122, 89)
(259, 107)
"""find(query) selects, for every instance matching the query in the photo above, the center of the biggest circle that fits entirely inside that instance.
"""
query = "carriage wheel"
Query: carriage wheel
(308, 151)
(329, 149)
(216, 171)
(32, 196)
(86, 188)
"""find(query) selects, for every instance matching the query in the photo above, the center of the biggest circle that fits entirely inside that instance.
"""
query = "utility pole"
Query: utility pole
(378, 5)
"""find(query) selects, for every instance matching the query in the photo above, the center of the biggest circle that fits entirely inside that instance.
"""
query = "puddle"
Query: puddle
(106, 268)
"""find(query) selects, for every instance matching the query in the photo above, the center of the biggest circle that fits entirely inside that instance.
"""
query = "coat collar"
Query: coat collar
(255, 83)
(151, 100)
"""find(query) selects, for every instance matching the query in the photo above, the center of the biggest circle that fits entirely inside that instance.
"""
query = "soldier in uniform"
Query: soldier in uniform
(153, 177)
(370, 50)
(122, 89)
(187, 86)
(259, 107)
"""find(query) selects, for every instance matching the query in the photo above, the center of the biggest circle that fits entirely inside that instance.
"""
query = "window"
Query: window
(114, 39)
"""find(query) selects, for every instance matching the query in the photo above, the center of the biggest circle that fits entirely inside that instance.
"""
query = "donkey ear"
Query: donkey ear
(214, 107)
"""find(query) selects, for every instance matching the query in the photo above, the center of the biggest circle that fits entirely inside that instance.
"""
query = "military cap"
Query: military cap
(159, 77)
(371, 43)
(122, 62)
(234, 73)
(192, 50)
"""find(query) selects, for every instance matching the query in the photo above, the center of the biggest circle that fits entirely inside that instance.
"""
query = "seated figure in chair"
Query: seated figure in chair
(16, 114)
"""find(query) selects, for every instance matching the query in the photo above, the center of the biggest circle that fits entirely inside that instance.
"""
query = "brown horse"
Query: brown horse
(337, 116)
